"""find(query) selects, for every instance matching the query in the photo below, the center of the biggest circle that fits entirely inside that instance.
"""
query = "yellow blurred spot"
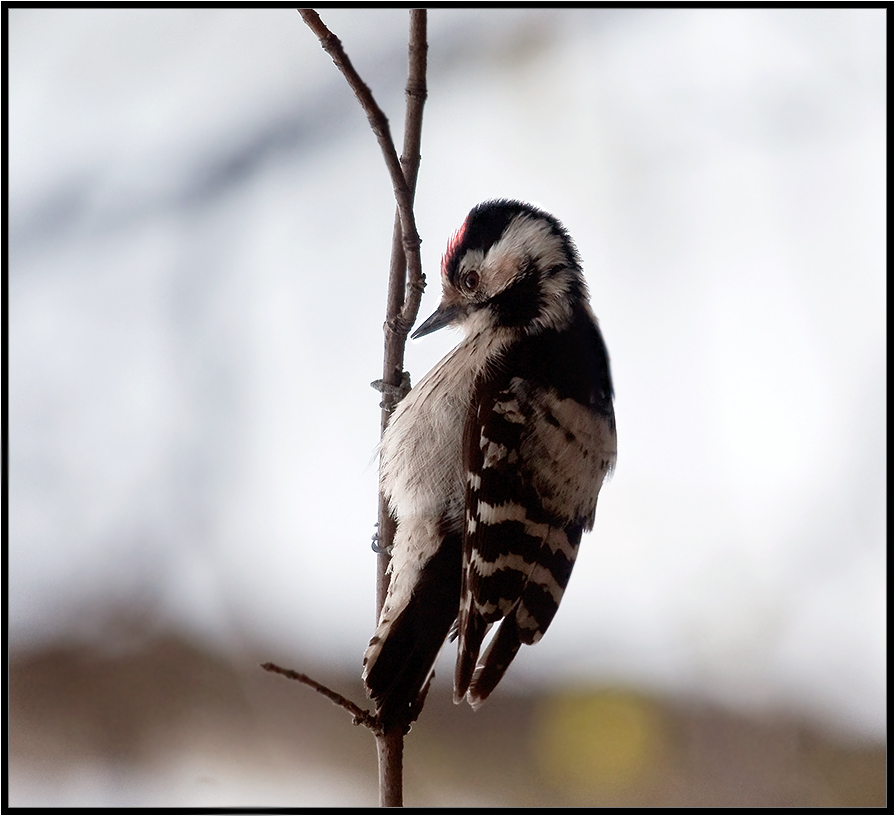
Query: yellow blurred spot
(601, 740)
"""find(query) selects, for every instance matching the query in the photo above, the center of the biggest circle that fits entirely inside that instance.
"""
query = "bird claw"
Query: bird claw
(375, 544)
(392, 394)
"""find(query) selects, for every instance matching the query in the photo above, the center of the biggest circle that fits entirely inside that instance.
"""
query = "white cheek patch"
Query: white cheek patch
(526, 238)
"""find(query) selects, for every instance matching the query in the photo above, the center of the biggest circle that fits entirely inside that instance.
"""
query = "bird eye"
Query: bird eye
(470, 280)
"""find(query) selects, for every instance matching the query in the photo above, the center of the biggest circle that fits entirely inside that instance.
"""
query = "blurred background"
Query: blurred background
(199, 231)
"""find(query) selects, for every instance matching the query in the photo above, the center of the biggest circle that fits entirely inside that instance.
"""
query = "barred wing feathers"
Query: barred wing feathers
(539, 440)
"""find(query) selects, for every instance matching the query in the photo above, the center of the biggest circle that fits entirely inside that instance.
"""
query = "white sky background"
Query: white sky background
(200, 223)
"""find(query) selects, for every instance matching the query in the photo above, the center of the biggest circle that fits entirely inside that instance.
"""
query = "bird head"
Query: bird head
(510, 265)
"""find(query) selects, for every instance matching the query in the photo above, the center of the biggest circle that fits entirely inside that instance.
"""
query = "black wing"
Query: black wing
(539, 441)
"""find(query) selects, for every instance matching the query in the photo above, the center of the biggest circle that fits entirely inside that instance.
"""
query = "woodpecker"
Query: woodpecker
(492, 464)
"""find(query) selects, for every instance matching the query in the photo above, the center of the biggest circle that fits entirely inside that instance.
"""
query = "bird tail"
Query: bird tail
(495, 661)
(398, 665)
(472, 631)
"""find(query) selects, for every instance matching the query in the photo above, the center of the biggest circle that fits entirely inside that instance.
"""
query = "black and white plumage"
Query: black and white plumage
(492, 464)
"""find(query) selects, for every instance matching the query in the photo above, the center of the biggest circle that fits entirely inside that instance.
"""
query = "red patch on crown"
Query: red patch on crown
(453, 243)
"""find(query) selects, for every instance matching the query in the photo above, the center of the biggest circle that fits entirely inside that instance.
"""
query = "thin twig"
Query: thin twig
(416, 93)
(361, 715)
(379, 123)
(401, 310)
(402, 306)
(406, 284)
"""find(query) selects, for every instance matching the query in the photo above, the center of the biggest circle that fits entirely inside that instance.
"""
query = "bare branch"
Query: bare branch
(379, 123)
(406, 284)
(416, 93)
(361, 716)
(401, 312)
(390, 752)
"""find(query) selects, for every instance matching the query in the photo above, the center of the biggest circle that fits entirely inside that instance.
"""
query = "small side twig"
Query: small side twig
(361, 716)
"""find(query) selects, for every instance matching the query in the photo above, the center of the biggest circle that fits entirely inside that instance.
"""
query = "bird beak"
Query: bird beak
(441, 317)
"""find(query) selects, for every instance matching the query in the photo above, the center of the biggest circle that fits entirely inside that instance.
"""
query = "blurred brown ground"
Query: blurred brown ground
(164, 700)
